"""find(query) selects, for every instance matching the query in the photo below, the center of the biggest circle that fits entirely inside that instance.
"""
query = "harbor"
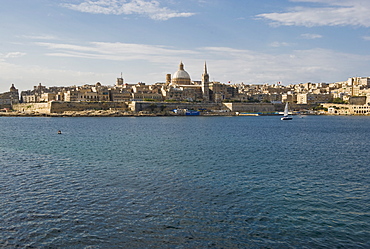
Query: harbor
(191, 182)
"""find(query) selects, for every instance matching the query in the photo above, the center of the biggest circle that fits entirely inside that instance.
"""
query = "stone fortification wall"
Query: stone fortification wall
(250, 107)
(153, 107)
(8, 106)
(137, 106)
(32, 107)
(358, 100)
(266, 107)
(60, 107)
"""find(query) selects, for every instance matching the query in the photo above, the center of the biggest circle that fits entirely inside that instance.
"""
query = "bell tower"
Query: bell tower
(205, 83)
(119, 81)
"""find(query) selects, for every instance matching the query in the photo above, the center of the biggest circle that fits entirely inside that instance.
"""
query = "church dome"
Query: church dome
(181, 77)
(12, 88)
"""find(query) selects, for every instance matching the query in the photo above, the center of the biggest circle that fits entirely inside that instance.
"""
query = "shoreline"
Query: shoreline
(141, 114)
(105, 114)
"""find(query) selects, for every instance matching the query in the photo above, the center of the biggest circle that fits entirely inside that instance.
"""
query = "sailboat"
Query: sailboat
(286, 116)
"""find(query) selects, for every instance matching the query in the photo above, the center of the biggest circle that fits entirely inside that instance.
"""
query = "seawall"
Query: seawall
(60, 107)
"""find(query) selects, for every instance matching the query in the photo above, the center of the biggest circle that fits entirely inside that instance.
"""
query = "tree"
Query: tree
(338, 101)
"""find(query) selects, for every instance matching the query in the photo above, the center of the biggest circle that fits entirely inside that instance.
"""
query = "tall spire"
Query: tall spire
(205, 83)
(205, 76)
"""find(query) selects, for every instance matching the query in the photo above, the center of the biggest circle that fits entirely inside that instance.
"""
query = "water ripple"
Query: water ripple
(184, 183)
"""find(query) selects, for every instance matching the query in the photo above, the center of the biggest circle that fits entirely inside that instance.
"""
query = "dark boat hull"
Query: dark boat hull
(286, 118)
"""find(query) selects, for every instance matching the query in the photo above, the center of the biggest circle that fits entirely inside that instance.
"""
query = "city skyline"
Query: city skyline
(86, 41)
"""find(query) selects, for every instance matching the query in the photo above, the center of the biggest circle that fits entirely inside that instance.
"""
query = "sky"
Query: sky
(77, 42)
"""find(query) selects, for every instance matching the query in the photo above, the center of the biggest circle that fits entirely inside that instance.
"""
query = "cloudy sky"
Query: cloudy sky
(74, 42)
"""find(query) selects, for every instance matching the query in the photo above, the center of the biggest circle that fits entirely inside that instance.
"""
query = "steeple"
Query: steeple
(181, 67)
(205, 76)
(205, 83)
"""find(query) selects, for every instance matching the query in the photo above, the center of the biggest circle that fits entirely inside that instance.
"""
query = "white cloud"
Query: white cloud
(277, 44)
(115, 51)
(311, 36)
(40, 37)
(24, 77)
(366, 38)
(148, 63)
(313, 65)
(14, 55)
(333, 13)
(150, 8)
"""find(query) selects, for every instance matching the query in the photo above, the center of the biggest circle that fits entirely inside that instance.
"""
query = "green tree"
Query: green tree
(338, 101)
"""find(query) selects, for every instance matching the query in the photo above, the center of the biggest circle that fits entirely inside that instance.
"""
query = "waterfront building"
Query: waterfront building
(359, 81)
(42, 93)
(71, 95)
(146, 96)
(344, 109)
(289, 97)
(7, 99)
(312, 98)
(179, 87)
(119, 94)
(220, 92)
(360, 109)
(46, 97)
(33, 96)
(28, 97)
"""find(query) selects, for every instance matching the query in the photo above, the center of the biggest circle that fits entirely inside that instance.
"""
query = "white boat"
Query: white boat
(286, 111)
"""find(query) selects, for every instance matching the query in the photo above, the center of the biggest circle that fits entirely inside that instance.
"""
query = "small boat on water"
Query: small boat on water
(248, 114)
(192, 113)
(286, 113)
(186, 112)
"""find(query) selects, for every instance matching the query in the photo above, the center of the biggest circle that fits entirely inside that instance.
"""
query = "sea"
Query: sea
(185, 182)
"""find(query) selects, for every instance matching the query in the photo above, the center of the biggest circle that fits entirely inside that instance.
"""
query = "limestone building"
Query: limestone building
(9, 98)
(180, 87)
(181, 77)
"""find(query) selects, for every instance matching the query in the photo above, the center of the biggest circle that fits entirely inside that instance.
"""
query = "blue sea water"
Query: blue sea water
(185, 182)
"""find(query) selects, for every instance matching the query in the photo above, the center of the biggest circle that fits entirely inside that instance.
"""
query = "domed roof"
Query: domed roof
(12, 88)
(181, 73)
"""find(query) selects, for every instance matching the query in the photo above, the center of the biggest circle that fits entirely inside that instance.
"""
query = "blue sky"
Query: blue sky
(74, 42)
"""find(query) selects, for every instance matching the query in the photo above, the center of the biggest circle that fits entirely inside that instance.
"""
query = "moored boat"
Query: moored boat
(286, 113)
